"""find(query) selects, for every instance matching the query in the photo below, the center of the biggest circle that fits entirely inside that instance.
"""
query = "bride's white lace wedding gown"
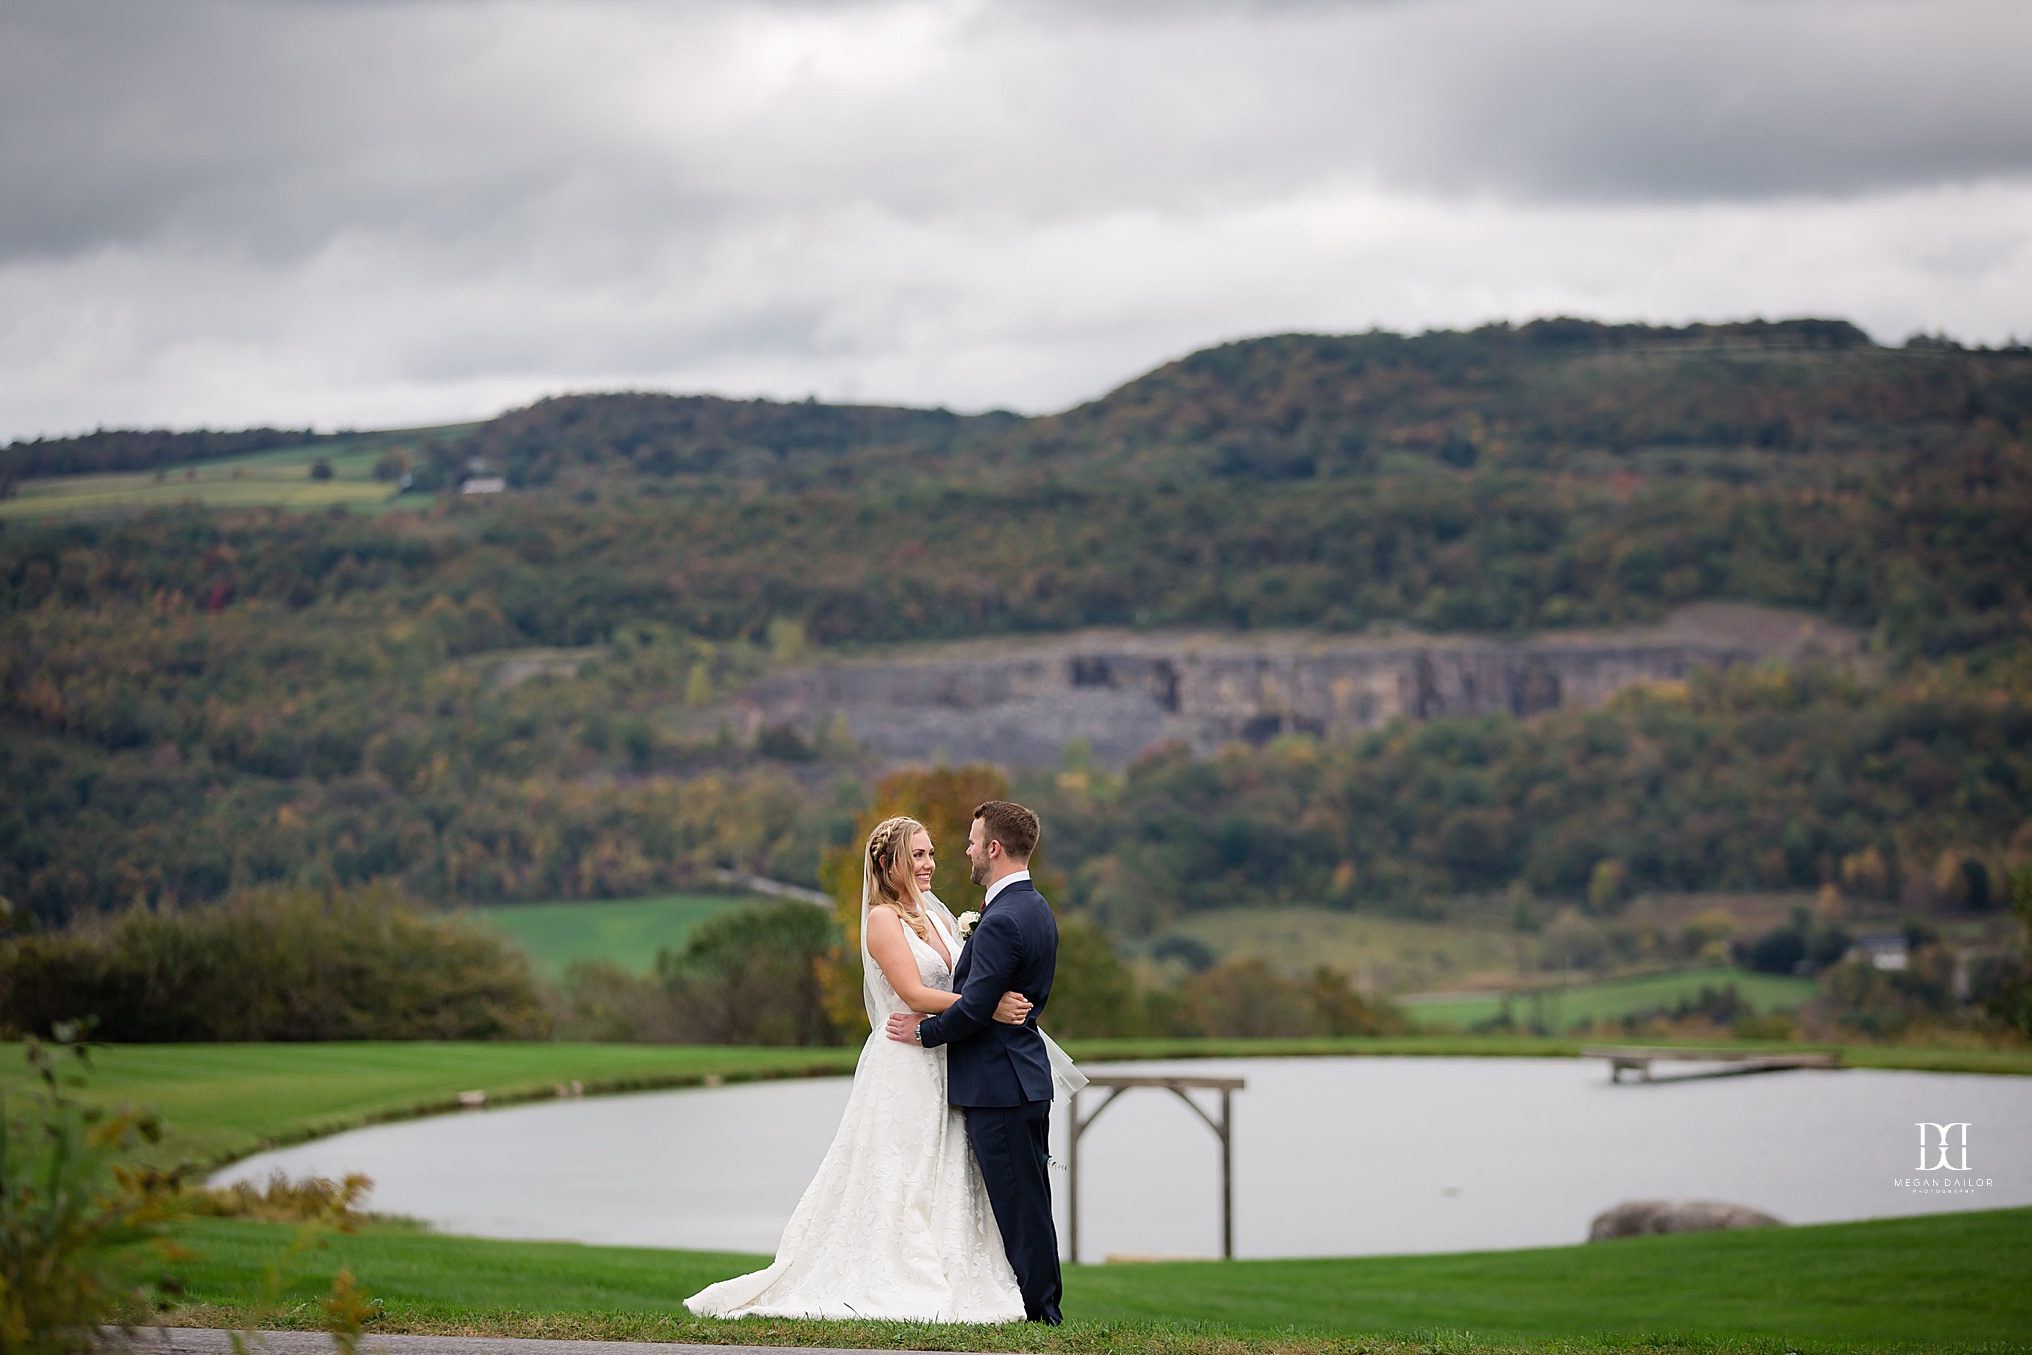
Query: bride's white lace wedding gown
(896, 1224)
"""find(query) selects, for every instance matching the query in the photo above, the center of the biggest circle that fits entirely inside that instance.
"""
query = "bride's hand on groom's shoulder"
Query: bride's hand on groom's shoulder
(1013, 1009)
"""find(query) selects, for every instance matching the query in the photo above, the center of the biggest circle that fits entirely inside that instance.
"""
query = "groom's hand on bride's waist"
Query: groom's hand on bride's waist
(902, 1026)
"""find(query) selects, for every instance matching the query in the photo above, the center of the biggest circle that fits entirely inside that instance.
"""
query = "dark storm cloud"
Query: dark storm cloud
(269, 127)
(360, 210)
(266, 127)
(1682, 101)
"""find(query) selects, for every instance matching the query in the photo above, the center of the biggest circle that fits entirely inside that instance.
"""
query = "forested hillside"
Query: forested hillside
(1916, 794)
(194, 701)
(1552, 394)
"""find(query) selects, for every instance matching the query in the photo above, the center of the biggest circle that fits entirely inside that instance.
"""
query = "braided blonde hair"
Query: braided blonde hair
(886, 877)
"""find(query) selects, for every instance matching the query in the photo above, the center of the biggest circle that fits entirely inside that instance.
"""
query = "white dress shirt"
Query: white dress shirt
(1011, 878)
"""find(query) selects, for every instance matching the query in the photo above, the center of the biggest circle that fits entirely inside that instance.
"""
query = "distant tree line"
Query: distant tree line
(705, 437)
(296, 964)
(1925, 544)
(1283, 407)
(141, 449)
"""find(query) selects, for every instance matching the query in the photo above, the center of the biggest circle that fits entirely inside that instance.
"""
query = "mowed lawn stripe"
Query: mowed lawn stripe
(1936, 1282)
(429, 1276)
(1938, 1278)
(223, 1101)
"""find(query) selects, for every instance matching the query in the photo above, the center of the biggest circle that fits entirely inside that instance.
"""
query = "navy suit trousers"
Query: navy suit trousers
(1013, 1146)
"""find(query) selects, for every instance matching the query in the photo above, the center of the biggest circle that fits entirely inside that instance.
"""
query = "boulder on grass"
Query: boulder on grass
(1635, 1218)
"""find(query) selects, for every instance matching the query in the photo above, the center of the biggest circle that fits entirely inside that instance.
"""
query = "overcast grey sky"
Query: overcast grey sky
(344, 212)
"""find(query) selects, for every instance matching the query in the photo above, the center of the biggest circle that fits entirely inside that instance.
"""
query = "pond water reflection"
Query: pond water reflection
(1333, 1157)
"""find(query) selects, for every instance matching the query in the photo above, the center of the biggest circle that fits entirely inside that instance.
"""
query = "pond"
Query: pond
(1333, 1157)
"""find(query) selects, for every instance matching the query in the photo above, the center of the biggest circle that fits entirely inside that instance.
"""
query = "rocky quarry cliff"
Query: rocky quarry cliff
(1020, 702)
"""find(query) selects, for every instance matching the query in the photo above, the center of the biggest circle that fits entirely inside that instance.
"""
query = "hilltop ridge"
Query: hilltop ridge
(1276, 407)
(1547, 395)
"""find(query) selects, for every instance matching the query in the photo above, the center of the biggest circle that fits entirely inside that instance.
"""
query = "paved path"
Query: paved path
(203, 1341)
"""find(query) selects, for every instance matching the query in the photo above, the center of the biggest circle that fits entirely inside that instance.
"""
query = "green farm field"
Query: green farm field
(1390, 955)
(279, 478)
(1939, 1282)
(1612, 998)
(628, 931)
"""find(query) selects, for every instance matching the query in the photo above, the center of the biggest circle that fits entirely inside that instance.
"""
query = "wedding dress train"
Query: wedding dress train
(896, 1224)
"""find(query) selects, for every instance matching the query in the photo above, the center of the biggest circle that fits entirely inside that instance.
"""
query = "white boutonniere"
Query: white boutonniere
(966, 921)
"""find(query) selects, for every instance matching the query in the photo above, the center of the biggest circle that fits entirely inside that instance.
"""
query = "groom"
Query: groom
(998, 1074)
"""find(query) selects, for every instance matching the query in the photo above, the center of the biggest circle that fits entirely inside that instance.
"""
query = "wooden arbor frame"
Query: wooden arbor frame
(1115, 1085)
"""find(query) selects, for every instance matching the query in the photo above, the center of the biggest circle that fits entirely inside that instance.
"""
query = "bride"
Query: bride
(896, 1224)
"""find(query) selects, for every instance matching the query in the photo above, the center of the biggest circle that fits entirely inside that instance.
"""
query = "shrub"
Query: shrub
(2005, 991)
(276, 965)
(1196, 955)
(1706, 938)
(315, 1199)
(751, 977)
(316, 1206)
(784, 743)
(1884, 1004)
(73, 1220)
(1572, 941)
(1093, 994)
(601, 1001)
(1247, 999)
(1801, 946)
(1781, 950)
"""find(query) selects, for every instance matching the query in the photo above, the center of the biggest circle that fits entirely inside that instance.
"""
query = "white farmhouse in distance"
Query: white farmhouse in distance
(1885, 950)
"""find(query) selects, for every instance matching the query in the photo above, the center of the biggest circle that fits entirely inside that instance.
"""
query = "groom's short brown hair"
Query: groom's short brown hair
(1010, 824)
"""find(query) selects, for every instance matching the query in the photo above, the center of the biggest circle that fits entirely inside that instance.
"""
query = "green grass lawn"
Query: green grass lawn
(1618, 997)
(224, 1101)
(1943, 1282)
(627, 931)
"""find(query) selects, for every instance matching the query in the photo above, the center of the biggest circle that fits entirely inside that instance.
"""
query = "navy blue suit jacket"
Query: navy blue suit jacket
(1013, 947)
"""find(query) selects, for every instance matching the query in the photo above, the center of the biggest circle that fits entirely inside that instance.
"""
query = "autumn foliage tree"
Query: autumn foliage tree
(943, 800)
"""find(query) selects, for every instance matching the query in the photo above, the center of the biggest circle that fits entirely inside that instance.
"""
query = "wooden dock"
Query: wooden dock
(1732, 1061)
